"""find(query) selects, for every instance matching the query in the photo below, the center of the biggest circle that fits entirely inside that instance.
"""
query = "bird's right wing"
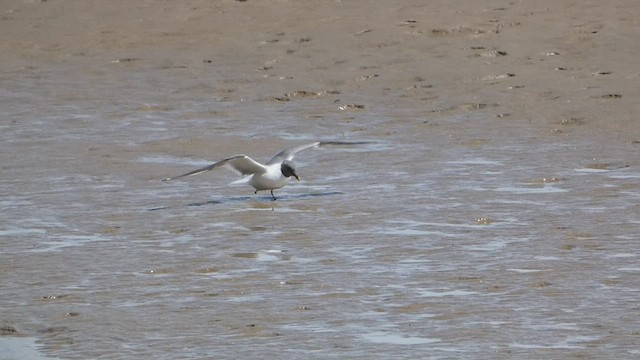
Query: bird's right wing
(289, 153)
(241, 163)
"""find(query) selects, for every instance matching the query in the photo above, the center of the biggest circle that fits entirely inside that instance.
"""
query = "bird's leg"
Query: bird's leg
(273, 196)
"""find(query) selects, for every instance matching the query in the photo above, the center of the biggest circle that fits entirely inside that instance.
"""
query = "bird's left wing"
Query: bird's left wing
(289, 153)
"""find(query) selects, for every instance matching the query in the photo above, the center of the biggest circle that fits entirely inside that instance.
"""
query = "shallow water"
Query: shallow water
(450, 236)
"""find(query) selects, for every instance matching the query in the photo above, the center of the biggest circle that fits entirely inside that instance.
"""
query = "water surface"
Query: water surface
(450, 236)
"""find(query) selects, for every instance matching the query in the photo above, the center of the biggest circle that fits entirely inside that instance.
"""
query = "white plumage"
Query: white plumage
(275, 174)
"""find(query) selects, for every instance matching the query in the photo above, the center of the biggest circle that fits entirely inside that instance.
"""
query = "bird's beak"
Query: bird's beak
(297, 178)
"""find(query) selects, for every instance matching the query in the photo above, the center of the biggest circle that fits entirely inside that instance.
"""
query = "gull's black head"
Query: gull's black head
(288, 169)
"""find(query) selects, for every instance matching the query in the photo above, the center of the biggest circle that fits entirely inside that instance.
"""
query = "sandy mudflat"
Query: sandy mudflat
(572, 66)
(493, 215)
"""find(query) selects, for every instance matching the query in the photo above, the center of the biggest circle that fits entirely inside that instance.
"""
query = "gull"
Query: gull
(275, 174)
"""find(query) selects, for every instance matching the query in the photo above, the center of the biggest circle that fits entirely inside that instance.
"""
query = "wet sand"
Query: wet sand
(495, 217)
(557, 64)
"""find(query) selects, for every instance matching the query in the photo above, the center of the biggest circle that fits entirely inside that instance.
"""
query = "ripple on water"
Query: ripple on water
(525, 271)
(570, 342)
(631, 269)
(446, 230)
(546, 189)
(382, 337)
(61, 242)
(265, 256)
(490, 246)
(439, 293)
(475, 161)
(21, 348)
(22, 232)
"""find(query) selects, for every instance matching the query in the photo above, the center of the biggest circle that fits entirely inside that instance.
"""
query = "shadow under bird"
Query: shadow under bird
(275, 174)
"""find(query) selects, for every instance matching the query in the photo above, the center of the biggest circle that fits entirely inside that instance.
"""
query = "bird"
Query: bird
(272, 175)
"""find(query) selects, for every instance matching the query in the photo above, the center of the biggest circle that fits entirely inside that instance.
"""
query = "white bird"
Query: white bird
(275, 174)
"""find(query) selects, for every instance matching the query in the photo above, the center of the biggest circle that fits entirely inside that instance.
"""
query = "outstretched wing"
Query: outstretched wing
(241, 163)
(289, 153)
